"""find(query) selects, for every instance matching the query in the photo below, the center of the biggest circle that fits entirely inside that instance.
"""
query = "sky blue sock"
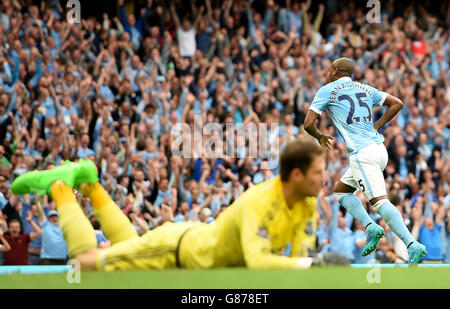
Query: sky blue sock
(395, 222)
(355, 208)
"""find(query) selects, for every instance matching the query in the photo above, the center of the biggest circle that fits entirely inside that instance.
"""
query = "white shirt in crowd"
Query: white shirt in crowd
(186, 40)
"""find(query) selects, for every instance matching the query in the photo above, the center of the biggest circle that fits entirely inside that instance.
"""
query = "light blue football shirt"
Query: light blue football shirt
(53, 243)
(350, 106)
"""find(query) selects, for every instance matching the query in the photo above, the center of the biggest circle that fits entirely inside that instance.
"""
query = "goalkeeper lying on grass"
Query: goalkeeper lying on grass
(251, 232)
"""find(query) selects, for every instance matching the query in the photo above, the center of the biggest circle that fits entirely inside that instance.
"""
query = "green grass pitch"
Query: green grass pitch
(240, 278)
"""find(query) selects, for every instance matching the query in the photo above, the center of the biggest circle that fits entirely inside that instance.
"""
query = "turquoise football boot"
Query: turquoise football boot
(416, 251)
(374, 232)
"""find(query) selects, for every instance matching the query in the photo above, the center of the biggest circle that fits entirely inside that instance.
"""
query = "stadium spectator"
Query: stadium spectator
(428, 224)
(324, 219)
(385, 252)
(205, 215)
(102, 242)
(447, 236)
(186, 32)
(183, 213)
(18, 255)
(54, 247)
(139, 223)
(3, 192)
(342, 238)
(4, 246)
(35, 246)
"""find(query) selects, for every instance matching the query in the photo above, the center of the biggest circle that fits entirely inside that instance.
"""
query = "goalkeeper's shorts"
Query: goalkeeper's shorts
(156, 249)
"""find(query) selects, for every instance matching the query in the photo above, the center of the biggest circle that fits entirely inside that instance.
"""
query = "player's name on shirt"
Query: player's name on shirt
(347, 85)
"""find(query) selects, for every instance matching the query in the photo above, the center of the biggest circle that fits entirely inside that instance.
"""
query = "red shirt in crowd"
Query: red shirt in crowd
(419, 47)
(18, 255)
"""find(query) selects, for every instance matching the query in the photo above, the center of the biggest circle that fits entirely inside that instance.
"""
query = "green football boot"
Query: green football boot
(374, 232)
(416, 251)
(72, 174)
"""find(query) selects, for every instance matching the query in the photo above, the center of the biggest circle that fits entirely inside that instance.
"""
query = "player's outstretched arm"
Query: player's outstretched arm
(310, 127)
(255, 237)
(394, 105)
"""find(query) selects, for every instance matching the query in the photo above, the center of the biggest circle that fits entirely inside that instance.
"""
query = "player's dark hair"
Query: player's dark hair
(299, 153)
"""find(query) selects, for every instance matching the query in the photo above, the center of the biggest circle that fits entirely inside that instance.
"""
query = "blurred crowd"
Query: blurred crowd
(111, 89)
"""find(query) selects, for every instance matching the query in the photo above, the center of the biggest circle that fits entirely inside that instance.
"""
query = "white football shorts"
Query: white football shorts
(366, 171)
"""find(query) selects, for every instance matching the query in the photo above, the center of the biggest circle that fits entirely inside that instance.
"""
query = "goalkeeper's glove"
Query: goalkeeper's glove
(328, 259)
